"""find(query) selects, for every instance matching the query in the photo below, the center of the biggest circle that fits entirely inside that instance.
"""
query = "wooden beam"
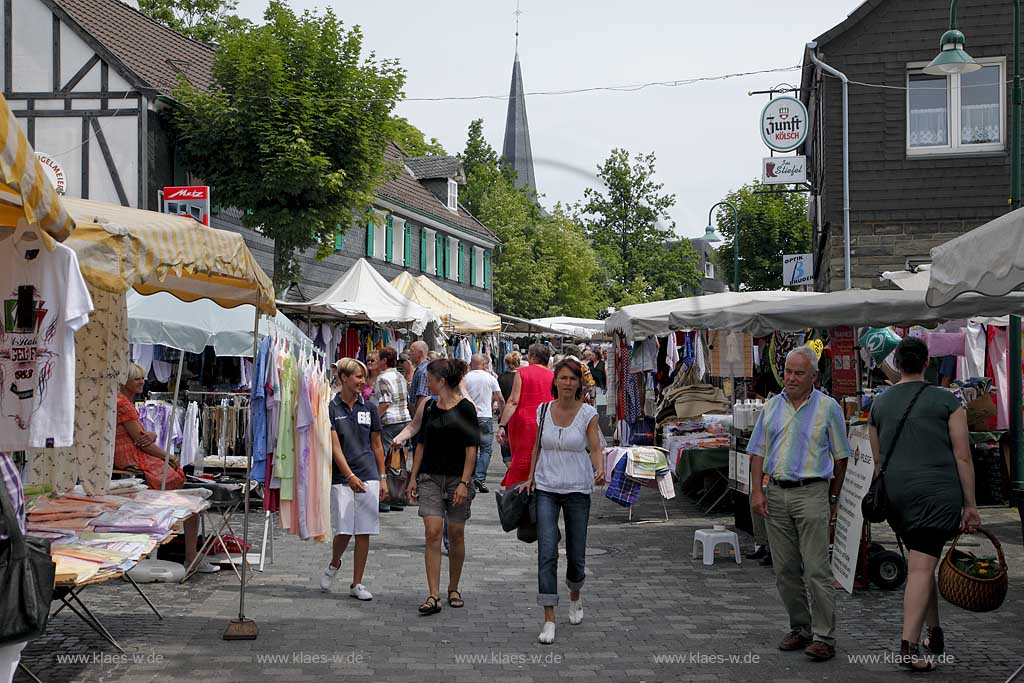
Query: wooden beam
(8, 49)
(77, 78)
(74, 113)
(85, 158)
(109, 159)
(30, 128)
(142, 196)
(104, 82)
(77, 95)
(56, 51)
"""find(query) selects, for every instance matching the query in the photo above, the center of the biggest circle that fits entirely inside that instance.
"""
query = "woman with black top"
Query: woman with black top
(441, 473)
(929, 483)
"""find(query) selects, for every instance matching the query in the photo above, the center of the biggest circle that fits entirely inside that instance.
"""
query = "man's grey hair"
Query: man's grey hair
(808, 353)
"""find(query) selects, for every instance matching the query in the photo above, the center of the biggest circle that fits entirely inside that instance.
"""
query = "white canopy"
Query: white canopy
(362, 294)
(641, 320)
(858, 308)
(988, 260)
(582, 328)
(164, 319)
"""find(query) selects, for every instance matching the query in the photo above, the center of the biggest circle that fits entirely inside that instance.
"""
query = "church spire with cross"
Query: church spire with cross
(516, 151)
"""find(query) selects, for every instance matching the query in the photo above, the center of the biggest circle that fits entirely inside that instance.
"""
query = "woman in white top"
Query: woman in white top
(562, 476)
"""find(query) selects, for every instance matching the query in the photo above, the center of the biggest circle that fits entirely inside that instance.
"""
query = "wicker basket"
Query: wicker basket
(971, 592)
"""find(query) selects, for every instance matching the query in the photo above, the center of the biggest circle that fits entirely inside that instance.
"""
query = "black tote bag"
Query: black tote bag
(26, 580)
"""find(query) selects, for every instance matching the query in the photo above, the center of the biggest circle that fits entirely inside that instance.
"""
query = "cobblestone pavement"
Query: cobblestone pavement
(652, 614)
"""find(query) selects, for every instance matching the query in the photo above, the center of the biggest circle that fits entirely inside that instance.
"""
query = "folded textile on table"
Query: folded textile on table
(665, 486)
(137, 518)
(126, 483)
(74, 570)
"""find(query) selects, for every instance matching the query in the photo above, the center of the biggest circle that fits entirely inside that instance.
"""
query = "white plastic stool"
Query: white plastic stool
(710, 538)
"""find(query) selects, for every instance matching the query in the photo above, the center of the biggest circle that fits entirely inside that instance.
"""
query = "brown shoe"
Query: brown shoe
(820, 651)
(794, 640)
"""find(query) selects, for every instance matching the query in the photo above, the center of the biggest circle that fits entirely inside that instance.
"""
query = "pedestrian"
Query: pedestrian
(485, 393)
(418, 393)
(505, 382)
(405, 367)
(393, 404)
(358, 464)
(440, 477)
(373, 370)
(518, 423)
(597, 369)
(929, 485)
(563, 475)
(800, 441)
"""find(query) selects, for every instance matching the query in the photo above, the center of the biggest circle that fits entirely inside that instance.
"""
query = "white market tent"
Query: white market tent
(641, 320)
(581, 328)
(857, 308)
(363, 295)
(164, 319)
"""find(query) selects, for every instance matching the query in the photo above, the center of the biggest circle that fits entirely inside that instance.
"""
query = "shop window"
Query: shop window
(478, 267)
(397, 240)
(959, 113)
(430, 251)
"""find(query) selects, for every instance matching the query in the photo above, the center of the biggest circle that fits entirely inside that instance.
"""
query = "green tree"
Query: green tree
(566, 254)
(772, 224)
(202, 20)
(641, 257)
(412, 140)
(293, 130)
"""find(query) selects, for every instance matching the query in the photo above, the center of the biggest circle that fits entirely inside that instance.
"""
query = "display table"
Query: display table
(695, 460)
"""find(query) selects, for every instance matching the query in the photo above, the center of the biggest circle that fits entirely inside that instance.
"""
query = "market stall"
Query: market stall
(455, 314)
(580, 328)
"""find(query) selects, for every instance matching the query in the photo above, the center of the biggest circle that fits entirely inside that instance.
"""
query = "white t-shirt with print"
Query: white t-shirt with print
(45, 302)
(481, 386)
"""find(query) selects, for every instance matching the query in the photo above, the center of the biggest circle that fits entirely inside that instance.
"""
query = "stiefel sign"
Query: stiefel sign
(783, 170)
(784, 124)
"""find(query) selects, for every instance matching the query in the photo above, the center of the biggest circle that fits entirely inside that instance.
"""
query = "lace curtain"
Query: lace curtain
(979, 123)
(929, 127)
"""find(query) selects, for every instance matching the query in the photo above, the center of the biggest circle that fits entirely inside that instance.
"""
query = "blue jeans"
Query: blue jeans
(483, 454)
(575, 508)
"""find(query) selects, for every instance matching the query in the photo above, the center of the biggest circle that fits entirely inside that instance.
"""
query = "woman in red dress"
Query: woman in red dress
(518, 423)
(136, 448)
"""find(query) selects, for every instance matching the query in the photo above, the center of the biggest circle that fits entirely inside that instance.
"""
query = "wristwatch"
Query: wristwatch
(833, 500)
(465, 483)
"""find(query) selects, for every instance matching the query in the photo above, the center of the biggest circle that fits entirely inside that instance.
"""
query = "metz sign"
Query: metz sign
(190, 200)
(784, 124)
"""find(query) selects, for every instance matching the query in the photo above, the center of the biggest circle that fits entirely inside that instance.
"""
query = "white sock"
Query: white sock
(547, 634)
(576, 611)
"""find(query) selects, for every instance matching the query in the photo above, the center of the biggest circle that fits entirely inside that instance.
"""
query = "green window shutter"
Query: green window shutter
(339, 238)
(407, 252)
(369, 238)
(472, 267)
(447, 257)
(487, 270)
(423, 250)
(438, 254)
(462, 271)
(389, 240)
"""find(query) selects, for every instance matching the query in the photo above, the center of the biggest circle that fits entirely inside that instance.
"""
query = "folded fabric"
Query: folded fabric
(665, 486)
(945, 343)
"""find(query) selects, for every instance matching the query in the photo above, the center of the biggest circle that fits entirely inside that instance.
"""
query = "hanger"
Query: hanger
(23, 230)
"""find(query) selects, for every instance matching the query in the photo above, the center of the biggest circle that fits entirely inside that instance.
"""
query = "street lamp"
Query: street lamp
(953, 59)
(709, 232)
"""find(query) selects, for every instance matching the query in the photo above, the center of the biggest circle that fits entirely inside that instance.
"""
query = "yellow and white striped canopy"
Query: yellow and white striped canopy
(24, 178)
(453, 311)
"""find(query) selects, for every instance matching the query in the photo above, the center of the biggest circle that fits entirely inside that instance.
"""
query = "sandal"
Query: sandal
(912, 659)
(935, 643)
(456, 602)
(430, 606)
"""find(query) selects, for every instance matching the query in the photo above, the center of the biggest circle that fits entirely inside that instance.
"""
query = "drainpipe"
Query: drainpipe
(811, 47)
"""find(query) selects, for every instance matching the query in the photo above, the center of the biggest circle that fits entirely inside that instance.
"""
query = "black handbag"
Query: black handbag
(875, 505)
(396, 477)
(26, 580)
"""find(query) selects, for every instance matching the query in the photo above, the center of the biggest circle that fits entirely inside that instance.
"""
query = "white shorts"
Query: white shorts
(355, 514)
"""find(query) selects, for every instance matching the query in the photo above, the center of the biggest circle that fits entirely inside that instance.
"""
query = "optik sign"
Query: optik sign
(784, 124)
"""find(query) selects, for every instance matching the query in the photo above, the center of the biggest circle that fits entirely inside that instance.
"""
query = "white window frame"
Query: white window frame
(954, 146)
(478, 267)
(431, 250)
(709, 270)
(453, 196)
(397, 240)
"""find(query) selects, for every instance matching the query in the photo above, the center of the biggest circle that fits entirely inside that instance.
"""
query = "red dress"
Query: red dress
(522, 428)
(127, 454)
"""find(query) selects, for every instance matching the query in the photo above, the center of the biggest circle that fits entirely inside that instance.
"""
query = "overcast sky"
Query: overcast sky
(705, 135)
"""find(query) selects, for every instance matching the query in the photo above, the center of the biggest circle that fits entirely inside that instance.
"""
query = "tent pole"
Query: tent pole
(174, 409)
(242, 628)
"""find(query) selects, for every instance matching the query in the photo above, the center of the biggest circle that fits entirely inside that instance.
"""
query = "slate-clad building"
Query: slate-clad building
(929, 156)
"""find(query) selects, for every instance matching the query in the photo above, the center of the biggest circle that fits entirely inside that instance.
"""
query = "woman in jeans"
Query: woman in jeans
(441, 474)
(563, 475)
(929, 483)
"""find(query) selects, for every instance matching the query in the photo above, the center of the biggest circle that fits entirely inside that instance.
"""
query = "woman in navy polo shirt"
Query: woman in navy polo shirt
(355, 483)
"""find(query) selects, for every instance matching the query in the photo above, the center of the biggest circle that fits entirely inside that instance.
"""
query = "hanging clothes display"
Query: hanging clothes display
(732, 354)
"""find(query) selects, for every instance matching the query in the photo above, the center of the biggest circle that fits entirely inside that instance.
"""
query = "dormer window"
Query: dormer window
(453, 195)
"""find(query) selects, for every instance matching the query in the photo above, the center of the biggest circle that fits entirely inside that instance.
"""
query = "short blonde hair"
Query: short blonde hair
(350, 366)
(135, 372)
(513, 359)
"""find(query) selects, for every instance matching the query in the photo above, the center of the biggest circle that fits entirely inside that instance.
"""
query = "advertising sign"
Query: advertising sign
(783, 170)
(784, 124)
(797, 270)
(54, 172)
(844, 363)
(849, 519)
(189, 200)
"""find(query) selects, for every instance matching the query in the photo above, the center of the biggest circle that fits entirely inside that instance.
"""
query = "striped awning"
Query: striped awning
(453, 311)
(24, 179)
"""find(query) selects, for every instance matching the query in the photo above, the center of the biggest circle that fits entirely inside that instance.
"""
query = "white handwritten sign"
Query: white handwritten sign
(860, 469)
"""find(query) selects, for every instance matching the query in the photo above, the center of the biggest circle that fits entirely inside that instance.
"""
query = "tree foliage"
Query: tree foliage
(293, 130)
(641, 257)
(772, 224)
(202, 20)
(412, 140)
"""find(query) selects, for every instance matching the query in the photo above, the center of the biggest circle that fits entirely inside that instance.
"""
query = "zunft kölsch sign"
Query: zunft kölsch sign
(784, 124)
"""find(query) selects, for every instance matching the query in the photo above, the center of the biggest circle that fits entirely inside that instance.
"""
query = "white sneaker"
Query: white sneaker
(359, 591)
(576, 611)
(327, 577)
(547, 634)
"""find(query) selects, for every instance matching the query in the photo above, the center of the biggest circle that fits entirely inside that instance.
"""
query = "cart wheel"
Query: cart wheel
(874, 548)
(887, 569)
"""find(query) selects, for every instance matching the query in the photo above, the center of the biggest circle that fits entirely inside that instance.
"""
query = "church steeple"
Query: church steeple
(516, 150)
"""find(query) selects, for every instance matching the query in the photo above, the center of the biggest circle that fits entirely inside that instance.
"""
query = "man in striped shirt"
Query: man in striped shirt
(800, 442)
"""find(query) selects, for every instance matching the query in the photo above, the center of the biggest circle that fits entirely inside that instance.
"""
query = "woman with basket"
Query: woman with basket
(920, 431)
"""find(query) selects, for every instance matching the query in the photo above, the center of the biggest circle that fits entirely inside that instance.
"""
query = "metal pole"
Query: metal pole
(174, 409)
(248, 470)
(735, 239)
(1016, 389)
(811, 47)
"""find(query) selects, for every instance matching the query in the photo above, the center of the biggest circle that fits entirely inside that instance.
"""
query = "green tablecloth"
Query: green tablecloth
(694, 460)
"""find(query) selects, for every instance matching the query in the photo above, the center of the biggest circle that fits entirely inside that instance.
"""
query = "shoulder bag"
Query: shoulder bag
(396, 476)
(875, 505)
(26, 580)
